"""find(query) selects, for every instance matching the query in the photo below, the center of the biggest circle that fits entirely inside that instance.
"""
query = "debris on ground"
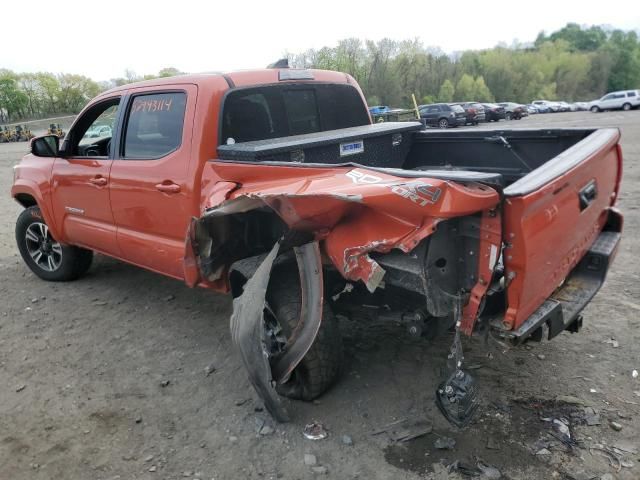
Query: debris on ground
(148, 458)
(463, 469)
(571, 400)
(615, 456)
(20, 388)
(310, 459)
(320, 470)
(492, 444)
(591, 417)
(240, 402)
(488, 471)
(405, 429)
(168, 298)
(541, 356)
(165, 383)
(444, 443)
(480, 469)
(347, 440)
(613, 342)
(543, 451)
(615, 425)
(314, 431)
(634, 374)
(153, 468)
(266, 430)
(411, 431)
(209, 369)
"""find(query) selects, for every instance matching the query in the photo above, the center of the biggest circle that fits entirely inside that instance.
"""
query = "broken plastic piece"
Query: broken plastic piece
(314, 431)
(457, 397)
(247, 333)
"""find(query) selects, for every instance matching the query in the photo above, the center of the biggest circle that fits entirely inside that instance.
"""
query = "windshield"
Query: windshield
(282, 110)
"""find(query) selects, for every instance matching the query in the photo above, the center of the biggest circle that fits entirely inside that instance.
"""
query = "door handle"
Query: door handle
(588, 194)
(168, 187)
(98, 181)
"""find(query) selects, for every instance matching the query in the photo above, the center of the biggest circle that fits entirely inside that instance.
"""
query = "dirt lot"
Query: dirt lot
(82, 367)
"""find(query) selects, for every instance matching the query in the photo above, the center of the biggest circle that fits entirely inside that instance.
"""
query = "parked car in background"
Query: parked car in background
(378, 109)
(98, 131)
(513, 110)
(581, 106)
(442, 115)
(625, 100)
(475, 112)
(532, 109)
(493, 112)
(551, 106)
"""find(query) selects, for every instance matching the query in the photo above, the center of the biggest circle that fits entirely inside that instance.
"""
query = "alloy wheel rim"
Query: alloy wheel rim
(42, 248)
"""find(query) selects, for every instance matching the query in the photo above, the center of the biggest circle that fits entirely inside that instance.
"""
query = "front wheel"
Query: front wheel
(595, 109)
(321, 366)
(443, 123)
(626, 107)
(45, 256)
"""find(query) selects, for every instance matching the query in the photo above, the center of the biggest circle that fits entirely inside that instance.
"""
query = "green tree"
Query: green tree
(465, 88)
(481, 92)
(446, 92)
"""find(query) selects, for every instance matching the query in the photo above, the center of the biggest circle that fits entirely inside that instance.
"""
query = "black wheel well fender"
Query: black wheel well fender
(26, 200)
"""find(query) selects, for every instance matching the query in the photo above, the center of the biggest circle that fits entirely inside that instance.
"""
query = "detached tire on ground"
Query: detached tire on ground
(47, 258)
(321, 366)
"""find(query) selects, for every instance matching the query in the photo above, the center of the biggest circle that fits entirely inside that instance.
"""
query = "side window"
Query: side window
(91, 135)
(608, 97)
(154, 125)
(631, 94)
(619, 95)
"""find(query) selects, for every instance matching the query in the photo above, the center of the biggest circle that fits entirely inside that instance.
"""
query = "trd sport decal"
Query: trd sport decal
(418, 192)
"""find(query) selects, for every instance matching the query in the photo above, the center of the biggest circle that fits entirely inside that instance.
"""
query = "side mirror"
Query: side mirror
(45, 146)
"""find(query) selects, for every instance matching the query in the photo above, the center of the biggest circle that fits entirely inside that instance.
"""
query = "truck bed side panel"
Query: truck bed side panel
(551, 222)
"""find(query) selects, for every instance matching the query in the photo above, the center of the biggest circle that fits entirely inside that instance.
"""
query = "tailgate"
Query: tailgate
(552, 217)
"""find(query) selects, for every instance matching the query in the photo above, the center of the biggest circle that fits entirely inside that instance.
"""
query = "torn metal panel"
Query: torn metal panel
(489, 251)
(354, 211)
(248, 334)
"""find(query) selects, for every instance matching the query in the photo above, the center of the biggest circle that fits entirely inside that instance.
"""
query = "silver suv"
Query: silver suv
(626, 100)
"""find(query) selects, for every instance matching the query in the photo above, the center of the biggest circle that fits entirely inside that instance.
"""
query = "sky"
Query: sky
(101, 39)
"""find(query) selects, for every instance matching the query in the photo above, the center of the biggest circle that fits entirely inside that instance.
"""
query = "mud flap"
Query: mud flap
(248, 334)
(457, 397)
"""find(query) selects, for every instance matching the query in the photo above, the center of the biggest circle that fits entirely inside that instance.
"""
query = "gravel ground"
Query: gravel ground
(84, 368)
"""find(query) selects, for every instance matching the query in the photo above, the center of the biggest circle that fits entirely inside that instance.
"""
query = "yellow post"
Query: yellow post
(415, 105)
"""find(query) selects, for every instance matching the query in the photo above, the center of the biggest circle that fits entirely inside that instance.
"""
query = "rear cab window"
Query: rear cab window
(282, 110)
(153, 126)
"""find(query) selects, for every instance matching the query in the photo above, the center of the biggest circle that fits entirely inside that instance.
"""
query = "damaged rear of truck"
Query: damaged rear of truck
(316, 214)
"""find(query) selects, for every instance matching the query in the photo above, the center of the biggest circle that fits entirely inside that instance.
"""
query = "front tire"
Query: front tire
(46, 257)
(321, 366)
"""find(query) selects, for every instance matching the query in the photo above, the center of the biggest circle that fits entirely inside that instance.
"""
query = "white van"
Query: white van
(626, 100)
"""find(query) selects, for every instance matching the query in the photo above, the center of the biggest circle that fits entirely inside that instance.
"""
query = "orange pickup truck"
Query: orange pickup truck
(275, 186)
